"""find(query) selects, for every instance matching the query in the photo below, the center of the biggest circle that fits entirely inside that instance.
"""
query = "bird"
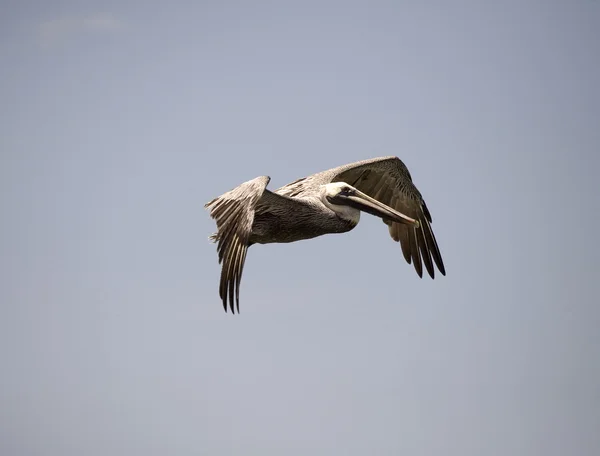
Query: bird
(327, 202)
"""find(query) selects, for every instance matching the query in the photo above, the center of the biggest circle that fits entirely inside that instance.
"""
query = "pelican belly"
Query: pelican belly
(269, 228)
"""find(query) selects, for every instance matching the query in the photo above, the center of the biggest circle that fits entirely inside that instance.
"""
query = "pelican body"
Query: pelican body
(327, 202)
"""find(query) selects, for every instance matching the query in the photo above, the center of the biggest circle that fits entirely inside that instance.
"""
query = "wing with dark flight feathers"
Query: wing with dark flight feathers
(234, 214)
(388, 180)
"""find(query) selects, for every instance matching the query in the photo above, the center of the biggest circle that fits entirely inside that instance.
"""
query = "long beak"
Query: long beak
(370, 205)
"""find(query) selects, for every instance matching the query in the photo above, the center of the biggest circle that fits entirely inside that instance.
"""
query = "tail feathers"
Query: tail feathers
(234, 214)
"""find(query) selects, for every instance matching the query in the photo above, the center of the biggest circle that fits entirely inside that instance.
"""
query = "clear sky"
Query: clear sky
(119, 120)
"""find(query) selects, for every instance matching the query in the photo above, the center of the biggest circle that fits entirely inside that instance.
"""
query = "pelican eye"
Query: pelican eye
(346, 190)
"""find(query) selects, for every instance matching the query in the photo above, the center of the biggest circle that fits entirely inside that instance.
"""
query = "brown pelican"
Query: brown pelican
(323, 203)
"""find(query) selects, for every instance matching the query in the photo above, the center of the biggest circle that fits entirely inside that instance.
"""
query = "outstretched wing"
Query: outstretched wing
(388, 180)
(234, 214)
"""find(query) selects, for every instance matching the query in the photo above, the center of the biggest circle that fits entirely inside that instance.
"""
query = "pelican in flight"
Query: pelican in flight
(327, 202)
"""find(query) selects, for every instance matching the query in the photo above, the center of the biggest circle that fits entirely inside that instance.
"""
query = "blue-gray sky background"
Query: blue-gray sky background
(119, 120)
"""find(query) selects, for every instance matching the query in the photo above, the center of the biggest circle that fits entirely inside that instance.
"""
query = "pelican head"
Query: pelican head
(347, 201)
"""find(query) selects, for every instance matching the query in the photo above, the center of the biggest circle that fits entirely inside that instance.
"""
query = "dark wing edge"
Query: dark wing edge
(234, 214)
(388, 180)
